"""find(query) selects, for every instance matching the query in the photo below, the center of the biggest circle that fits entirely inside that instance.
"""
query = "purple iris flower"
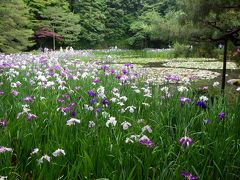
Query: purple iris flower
(61, 100)
(124, 71)
(112, 71)
(18, 84)
(188, 175)
(104, 67)
(105, 102)
(66, 96)
(28, 99)
(172, 78)
(72, 104)
(91, 93)
(1, 92)
(15, 93)
(3, 123)
(221, 115)
(201, 104)
(184, 100)
(146, 142)
(93, 101)
(73, 114)
(66, 109)
(70, 76)
(96, 80)
(185, 141)
(30, 116)
(43, 60)
(124, 79)
(97, 110)
(118, 77)
(129, 65)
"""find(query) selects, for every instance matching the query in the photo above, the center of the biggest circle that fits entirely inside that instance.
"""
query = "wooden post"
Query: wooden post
(54, 42)
(224, 64)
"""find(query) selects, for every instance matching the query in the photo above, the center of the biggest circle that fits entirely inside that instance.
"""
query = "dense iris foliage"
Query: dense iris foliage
(61, 117)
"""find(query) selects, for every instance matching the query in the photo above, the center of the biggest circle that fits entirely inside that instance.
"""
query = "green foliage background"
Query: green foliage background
(124, 23)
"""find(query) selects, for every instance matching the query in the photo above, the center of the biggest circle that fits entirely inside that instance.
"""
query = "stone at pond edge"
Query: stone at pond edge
(235, 82)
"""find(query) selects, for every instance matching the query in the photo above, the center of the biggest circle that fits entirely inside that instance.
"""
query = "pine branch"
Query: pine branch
(237, 6)
(214, 25)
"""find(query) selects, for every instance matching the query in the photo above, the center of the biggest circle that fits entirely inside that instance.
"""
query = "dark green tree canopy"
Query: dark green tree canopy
(15, 31)
(61, 21)
(211, 20)
(125, 23)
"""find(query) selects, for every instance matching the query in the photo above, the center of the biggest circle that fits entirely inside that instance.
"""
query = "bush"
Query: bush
(182, 50)
(206, 50)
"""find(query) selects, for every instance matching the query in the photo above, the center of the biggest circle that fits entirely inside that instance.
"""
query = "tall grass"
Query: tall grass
(101, 151)
(147, 53)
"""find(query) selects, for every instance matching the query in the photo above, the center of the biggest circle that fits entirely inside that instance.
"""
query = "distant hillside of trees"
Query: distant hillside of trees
(31, 24)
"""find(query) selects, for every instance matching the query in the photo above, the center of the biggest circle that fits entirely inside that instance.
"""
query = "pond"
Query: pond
(195, 68)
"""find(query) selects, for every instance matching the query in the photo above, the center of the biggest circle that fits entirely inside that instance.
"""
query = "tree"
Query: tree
(63, 22)
(141, 29)
(15, 31)
(115, 22)
(35, 8)
(132, 10)
(72, 4)
(167, 28)
(42, 34)
(56, 16)
(92, 21)
(213, 21)
(209, 20)
(160, 6)
(158, 22)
